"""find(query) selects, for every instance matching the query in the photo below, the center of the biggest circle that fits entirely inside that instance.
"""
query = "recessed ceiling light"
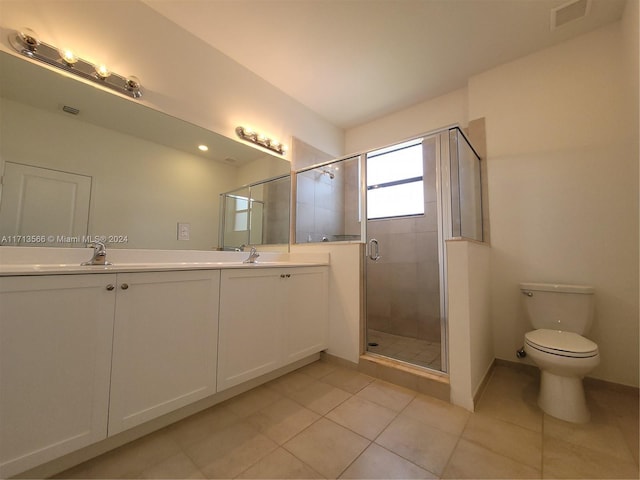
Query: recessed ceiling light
(203, 148)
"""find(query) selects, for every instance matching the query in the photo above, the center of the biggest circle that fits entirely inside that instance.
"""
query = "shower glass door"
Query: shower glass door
(404, 298)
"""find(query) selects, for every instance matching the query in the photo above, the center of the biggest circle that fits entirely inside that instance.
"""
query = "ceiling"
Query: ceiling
(352, 61)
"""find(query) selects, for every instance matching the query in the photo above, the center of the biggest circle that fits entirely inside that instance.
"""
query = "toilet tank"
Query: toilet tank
(559, 307)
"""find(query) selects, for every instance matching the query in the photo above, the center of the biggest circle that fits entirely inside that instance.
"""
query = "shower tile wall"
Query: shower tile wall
(320, 206)
(276, 214)
(403, 291)
(327, 197)
(352, 223)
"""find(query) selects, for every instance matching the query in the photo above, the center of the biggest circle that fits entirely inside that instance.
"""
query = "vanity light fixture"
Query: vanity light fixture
(26, 42)
(253, 137)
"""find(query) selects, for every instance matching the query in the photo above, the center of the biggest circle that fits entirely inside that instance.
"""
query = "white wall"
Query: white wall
(562, 160)
(180, 74)
(425, 117)
(344, 296)
(470, 333)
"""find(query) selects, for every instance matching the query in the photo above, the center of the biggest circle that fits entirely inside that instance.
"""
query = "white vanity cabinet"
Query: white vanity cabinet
(83, 357)
(55, 363)
(270, 317)
(164, 345)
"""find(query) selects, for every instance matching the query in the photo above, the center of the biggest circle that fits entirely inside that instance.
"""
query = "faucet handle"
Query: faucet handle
(99, 247)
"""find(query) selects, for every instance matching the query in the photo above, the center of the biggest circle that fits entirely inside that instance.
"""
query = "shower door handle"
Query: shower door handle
(374, 249)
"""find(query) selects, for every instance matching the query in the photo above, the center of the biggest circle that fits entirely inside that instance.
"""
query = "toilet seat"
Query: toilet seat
(558, 342)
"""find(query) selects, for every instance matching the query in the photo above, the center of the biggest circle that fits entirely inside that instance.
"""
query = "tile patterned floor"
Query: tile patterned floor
(324, 421)
(411, 350)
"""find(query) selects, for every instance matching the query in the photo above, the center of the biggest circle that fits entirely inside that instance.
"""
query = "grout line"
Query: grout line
(455, 447)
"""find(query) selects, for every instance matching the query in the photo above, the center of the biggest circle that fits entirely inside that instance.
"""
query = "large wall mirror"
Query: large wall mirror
(79, 162)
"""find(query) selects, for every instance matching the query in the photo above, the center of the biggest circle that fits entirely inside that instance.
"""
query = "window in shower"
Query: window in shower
(395, 184)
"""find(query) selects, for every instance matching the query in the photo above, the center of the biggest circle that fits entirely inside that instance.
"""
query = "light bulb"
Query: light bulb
(203, 148)
(68, 56)
(102, 71)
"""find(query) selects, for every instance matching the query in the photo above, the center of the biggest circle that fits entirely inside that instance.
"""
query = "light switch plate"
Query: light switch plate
(184, 231)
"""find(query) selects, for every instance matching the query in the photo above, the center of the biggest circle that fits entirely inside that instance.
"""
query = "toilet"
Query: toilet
(561, 315)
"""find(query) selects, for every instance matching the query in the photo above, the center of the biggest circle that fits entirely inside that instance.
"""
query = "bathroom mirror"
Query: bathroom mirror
(79, 162)
(256, 214)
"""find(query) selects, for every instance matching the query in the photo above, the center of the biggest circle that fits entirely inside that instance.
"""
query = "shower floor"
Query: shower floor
(411, 350)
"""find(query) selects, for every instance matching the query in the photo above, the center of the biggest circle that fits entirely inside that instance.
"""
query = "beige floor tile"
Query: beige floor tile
(508, 376)
(349, 380)
(250, 402)
(291, 383)
(197, 427)
(319, 397)
(507, 439)
(437, 413)
(629, 429)
(327, 447)
(473, 461)
(178, 466)
(566, 460)
(379, 463)
(128, 461)
(280, 464)
(624, 408)
(282, 420)
(362, 416)
(387, 394)
(318, 369)
(622, 404)
(428, 437)
(418, 442)
(601, 434)
(512, 398)
(228, 452)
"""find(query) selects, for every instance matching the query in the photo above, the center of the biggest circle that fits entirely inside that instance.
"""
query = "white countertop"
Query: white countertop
(21, 261)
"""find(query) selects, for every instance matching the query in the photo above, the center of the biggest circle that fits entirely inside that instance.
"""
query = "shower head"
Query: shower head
(328, 172)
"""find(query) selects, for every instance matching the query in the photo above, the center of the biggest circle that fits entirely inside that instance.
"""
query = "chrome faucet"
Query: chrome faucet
(99, 254)
(253, 254)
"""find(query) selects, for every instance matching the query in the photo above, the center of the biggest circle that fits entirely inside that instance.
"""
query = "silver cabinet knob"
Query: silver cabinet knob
(124, 286)
(110, 287)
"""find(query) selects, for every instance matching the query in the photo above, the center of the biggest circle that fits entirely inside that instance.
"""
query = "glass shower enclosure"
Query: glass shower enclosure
(418, 194)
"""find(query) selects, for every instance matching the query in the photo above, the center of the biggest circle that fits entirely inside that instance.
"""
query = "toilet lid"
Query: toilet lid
(557, 342)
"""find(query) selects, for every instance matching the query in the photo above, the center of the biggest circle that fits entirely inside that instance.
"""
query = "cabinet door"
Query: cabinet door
(55, 361)
(165, 340)
(306, 319)
(250, 325)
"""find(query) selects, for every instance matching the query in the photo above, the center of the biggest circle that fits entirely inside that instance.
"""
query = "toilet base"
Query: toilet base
(563, 397)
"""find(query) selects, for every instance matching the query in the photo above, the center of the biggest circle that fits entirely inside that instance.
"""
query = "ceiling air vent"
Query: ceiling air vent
(71, 110)
(569, 12)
